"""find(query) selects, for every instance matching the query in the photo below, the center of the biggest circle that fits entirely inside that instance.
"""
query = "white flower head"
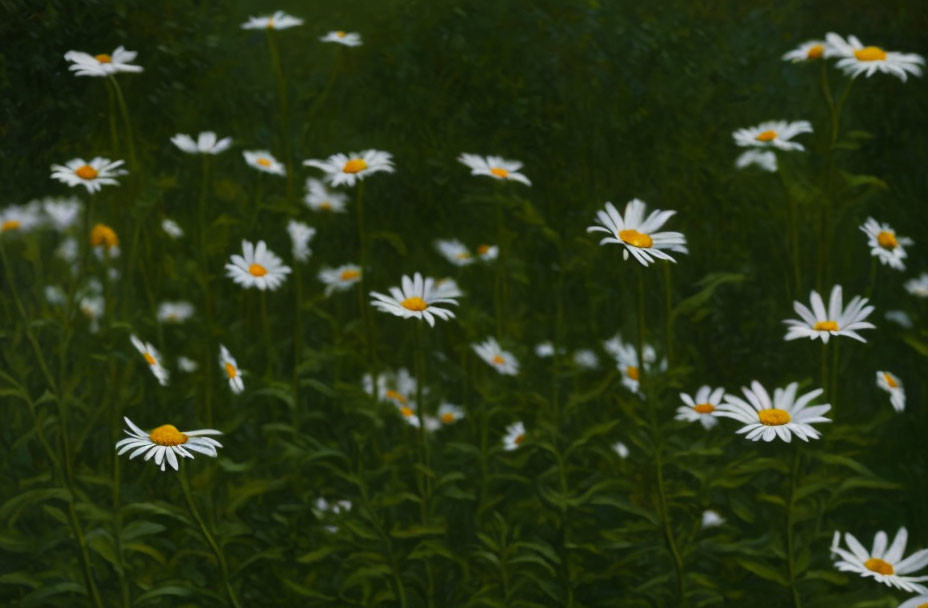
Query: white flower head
(348, 168)
(636, 234)
(448, 413)
(342, 37)
(414, 300)
(764, 159)
(92, 175)
(320, 198)
(172, 228)
(836, 321)
(230, 367)
(918, 286)
(398, 388)
(92, 306)
(544, 349)
(68, 249)
(454, 251)
(711, 518)
(885, 565)
(487, 253)
(502, 361)
(702, 408)
(340, 278)
(102, 65)
(899, 317)
(278, 21)
(187, 365)
(264, 161)
(175, 312)
(781, 417)
(916, 602)
(166, 443)
(810, 50)
(495, 167)
(621, 449)
(300, 235)
(773, 134)
(62, 213)
(55, 295)
(153, 358)
(585, 358)
(515, 435)
(856, 59)
(892, 385)
(258, 267)
(626, 358)
(19, 219)
(446, 288)
(885, 245)
(205, 143)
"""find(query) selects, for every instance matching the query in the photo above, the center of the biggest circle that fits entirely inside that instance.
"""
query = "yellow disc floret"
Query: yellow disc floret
(391, 394)
(825, 326)
(636, 239)
(101, 234)
(870, 53)
(167, 435)
(632, 372)
(348, 275)
(766, 136)
(498, 360)
(887, 240)
(231, 372)
(499, 172)
(447, 417)
(890, 381)
(103, 58)
(415, 304)
(86, 172)
(355, 165)
(875, 564)
(257, 270)
(264, 162)
(773, 417)
(9, 225)
(704, 408)
(816, 52)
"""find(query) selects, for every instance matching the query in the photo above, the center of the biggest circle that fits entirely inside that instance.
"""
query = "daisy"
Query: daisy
(487, 253)
(398, 388)
(710, 519)
(341, 278)
(230, 367)
(892, 385)
(187, 365)
(55, 295)
(636, 234)
(257, 267)
(627, 360)
(454, 251)
(206, 143)
(415, 300)
(92, 175)
(19, 218)
(515, 435)
(900, 317)
(916, 602)
(320, 198)
(449, 413)
(174, 312)
(918, 287)
(765, 159)
(84, 64)
(348, 168)
(408, 413)
(837, 321)
(104, 238)
(336, 506)
(166, 443)
(773, 134)
(346, 38)
(446, 288)
(544, 349)
(586, 359)
(856, 59)
(300, 234)
(62, 213)
(278, 21)
(809, 50)
(264, 161)
(884, 244)
(785, 415)
(171, 228)
(884, 565)
(92, 307)
(495, 167)
(152, 357)
(621, 449)
(68, 249)
(504, 362)
(702, 408)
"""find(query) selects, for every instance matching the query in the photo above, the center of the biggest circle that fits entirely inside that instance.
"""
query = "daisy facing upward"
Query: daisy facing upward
(885, 565)
(638, 235)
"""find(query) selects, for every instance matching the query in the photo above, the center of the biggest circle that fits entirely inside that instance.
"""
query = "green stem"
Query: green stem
(793, 234)
(425, 484)
(266, 331)
(871, 278)
(668, 314)
(366, 502)
(111, 116)
(824, 366)
(297, 342)
(278, 70)
(209, 350)
(790, 521)
(364, 308)
(833, 393)
(499, 289)
(322, 96)
(127, 124)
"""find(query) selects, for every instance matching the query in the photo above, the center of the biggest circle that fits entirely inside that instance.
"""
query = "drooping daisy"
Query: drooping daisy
(544, 349)
(916, 602)
(856, 59)
(257, 267)
(341, 278)
(495, 167)
(892, 385)
(502, 361)
(415, 300)
(84, 64)
(515, 435)
(884, 244)
(785, 415)
(171, 228)
(300, 234)
(228, 365)
(446, 288)
(454, 251)
(166, 443)
(92, 175)
(765, 159)
(19, 219)
(586, 359)
(919, 286)
(810, 50)
(174, 312)
(152, 357)
(187, 365)
(348, 168)
(398, 388)
(710, 519)
(264, 161)
(449, 413)
(836, 321)
(702, 408)
(626, 358)
(341, 37)
(773, 134)
(621, 449)
(62, 213)
(884, 565)
(487, 253)
(899, 317)
(636, 234)
(278, 21)
(104, 238)
(206, 143)
(320, 198)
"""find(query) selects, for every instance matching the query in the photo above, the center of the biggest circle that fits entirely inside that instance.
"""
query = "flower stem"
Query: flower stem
(833, 393)
(425, 484)
(111, 116)
(668, 315)
(208, 350)
(278, 70)
(127, 124)
(297, 341)
(499, 287)
(364, 308)
(790, 521)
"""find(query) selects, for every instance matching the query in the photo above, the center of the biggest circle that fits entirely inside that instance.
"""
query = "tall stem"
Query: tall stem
(668, 314)
(833, 393)
(297, 341)
(208, 351)
(425, 483)
(499, 287)
(278, 70)
(127, 124)
(790, 521)
(111, 117)
(364, 308)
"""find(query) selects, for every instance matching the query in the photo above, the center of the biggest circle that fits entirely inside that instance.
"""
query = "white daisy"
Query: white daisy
(702, 408)
(174, 312)
(341, 37)
(919, 286)
(320, 198)
(398, 388)
(230, 367)
(300, 234)
(883, 564)
(446, 288)
(892, 385)
(487, 253)
(586, 359)
(837, 321)
(62, 213)
(104, 240)
(765, 159)
(19, 219)
(884, 244)
(166, 443)
(515, 435)
(341, 278)
(336, 506)
(502, 361)
(92, 175)
(809, 50)
(626, 358)
(278, 21)
(172, 228)
(84, 64)
(92, 307)
(264, 161)
(152, 357)
(856, 59)
(55, 295)
(621, 449)
(257, 267)
(544, 349)
(415, 300)
(68, 249)
(773, 134)
(710, 519)
(900, 317)
(785, 415)
(916, 602)
(495, 167)
(408, 413)
(636, 234)
(348, 168)
(454, 251)
(206, 143)
(187, 365)
(449, 413)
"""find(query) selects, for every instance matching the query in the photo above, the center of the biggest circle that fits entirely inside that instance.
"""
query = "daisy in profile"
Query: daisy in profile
(495, 167)
(166, 443)
(916, 602)
(62, 213)
(19, 219)
(454, 251)
(781, 417)
(764, 159)
(883, 564)
(348, 168)
(919, 286)
(586, 359)
(229, 366)
(320, 198)
(264, 161)
(502, 361)
(620, 449)
(278, 21)
(773, 134)
(152, 357)
(205, 143)
(449, 413)
(636, 234)
(899, 317)
(102, 65)
(415, 300)
(172, 228)
(836, 321)
(487, 253)
(626, 358)
(341, 278)
(892, 385)
(174, 312)
(398, 388)
(702, 407)
(515, 435)
(187, 365)
(446, 288)
(711, 519)
(409, 415)
(92, 175)
(855, 59)
(257, 267)
(810, 50)
(341, 37)
(104, 240)
(884, 244)
(300, 235)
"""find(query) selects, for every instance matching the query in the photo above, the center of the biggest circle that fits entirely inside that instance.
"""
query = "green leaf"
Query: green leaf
(709, 284)
(764, 571)
(171, 590)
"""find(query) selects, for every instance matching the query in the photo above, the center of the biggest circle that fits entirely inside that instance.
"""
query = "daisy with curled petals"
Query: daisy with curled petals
(454, 251)
(166, 443)
(892, 385)
(320, 198)
(502, 361)
(919, 286)
(102, 65)
(19, 218)
(884, 244)
(341, 278)
(152, 357)
(515, 435)
(415, 300)
(349, 168)
(856, 59)
(206, 143)
(495, 167)
(836, 321)
(885, 565)
(257, 267)
(810, 50)
(764, 159)
(62, 213)
(785, 415)
(702, 407)
(626, 358)
(264, 161)
(230, 368)
(92, 175)
(916, 602)
(773, 134)
(278, 21)
(174, 312)
(342, 37)
(636, 234)
(300, 234)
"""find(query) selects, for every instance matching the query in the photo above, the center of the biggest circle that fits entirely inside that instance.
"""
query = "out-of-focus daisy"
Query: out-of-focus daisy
(152, 358)
(586, 359)
(341, 278)
(408, 413)
(300, 235)
(899, 317)
(836, 321)
(785, 415)
(320, 198)
(92, 306)
(916, 602)
(495, 167)
(856, 59)
(773, 134)
(278, 21)
(166, 443)
(702, 408)
(502, 361)
(415, 300)
(636, 234)
(446, 288)
(206, 143)
(626, 358)
(104, 64)
(19, 219)
(449, 413)
(187, 365)
(544, 349)
(710, 519)
(68, 249)
(884, 244)
(174, 312)
(919, 286)
(454, 251)
(515, 435)
(62, 213)
(230, 367)
(883, 564)
(171, 228)
(810, 50)
(765, 159)
(487, 253)
(104, 238)
(621, 449)
(336, 506)
(399, 388)
(341, 37)
(257, 267)
(92, 175)
(55, 295)
(262, 160)
(892, 385)
(348, 168)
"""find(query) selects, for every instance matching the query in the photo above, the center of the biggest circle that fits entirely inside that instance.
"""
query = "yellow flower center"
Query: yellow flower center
(875, 564)
(9, 225)
(825, 326)
(231, 372)
(347, 275)
(518, 440)
(483, 249)
(636, 239)
(870, 53)
(816, 52)
(406, 412)
(86, 172)
(355, 165)
(167, 435)
(149, 358)
(447, 417)
(270, 23)
(499, 172)
(925, 605)
(414, 303)
(766, 136)
(264, 162)
(257, 270)
(103, 58)
(887, 240)
(632, 372)
(773, 417)
(890, 380)
(341, 34)
(704, 408)
(325, 206)
(101, 234)
(391, 394)
(463, 256)
(498, 360)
